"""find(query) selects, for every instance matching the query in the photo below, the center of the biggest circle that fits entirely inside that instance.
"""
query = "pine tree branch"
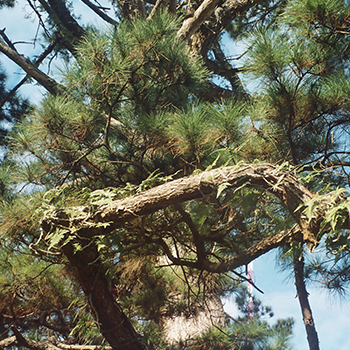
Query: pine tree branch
(212, 93)
(48, 83)
(130, 9)
(63, 18)
(191, 24)
(34, 72)
(282, 184)
(159, 4)
(83, 347)
(112, 322)
(6, 39)
(198, 242)
(10, 341)
(226, 70)
(55, 345)
(100, 13)
(224, 14)
(31, 344)
(40, 59)
(230, 10)
(258, 249)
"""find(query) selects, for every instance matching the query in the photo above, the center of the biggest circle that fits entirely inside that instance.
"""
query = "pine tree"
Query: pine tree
(137, 184)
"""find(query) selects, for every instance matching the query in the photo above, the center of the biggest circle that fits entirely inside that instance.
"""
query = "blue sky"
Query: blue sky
(332, 315)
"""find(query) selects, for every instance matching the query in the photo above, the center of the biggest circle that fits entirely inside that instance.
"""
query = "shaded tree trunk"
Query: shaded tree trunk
(310, 328)
(114, 325)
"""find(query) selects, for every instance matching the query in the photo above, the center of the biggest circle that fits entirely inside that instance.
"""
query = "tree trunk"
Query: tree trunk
(310, 328)
(114, 325)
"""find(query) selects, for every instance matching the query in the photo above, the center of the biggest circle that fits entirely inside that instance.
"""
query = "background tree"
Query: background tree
(136, 155)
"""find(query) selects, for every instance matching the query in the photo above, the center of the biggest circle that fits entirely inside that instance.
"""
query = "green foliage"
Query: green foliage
(30, 287)
(320, 19)
(120, 90)
(131, 119)
(7, 3)
(142, 61)
(303, 82)
(85, 329)
(264, 13)
(13, 107)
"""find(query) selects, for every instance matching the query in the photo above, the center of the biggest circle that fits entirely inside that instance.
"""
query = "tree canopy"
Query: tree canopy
(155, 169)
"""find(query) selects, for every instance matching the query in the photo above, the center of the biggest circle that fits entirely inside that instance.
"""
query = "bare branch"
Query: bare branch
(40, 59)
(8, 342)
(48, 83)
(6, 39)
(196, 235)
(98, 11)
(191, 24)
(83, 347)
(260, 248)
(158, 5)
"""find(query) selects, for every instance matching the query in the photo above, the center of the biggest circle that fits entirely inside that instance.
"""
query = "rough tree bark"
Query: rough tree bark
(113, 324)
(201, 37)
(282, 184)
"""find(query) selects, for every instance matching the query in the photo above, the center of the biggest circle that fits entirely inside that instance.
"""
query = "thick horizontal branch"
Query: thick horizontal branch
(87, 222)
(55, 345)
(31, 344)
(282, 184)
(83, 347)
